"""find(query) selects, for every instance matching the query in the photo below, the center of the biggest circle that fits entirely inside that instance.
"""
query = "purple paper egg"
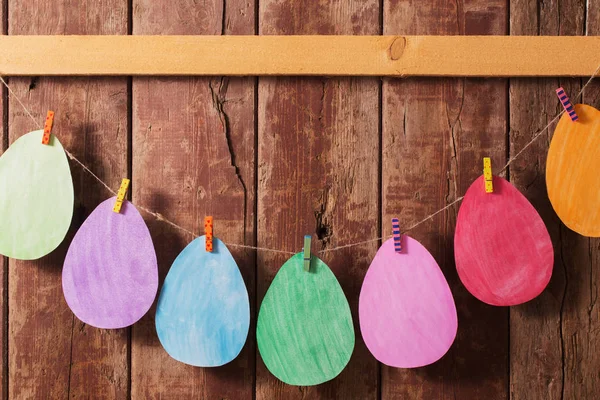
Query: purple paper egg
(110, 274)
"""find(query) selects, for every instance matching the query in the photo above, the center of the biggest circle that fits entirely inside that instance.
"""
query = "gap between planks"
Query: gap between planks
(394, 56)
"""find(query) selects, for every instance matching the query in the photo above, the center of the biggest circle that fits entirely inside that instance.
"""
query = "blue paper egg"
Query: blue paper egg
(203, 312)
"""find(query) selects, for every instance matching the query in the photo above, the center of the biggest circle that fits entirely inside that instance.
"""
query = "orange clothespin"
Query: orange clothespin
(487, 175)
(48, 127)
(121, 195)
(208, 231)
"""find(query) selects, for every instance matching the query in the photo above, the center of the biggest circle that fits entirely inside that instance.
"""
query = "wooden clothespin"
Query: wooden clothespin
(397, 235)
(566, 103)
(307, 240)
(208, 232)
(48, 127)
(487, 175)
(121, 195)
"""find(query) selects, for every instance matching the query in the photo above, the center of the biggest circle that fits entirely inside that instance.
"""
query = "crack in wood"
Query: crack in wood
(323, 229)
(32, 83)
(453, 126)
(218, 101)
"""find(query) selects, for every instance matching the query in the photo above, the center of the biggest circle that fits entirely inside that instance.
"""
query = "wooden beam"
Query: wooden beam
(400, 56)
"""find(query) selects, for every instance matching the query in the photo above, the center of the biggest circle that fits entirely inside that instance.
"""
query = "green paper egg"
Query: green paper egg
(304, 331)
(36, 197)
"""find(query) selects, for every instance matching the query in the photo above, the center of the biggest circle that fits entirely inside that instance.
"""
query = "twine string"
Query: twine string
(161, 218)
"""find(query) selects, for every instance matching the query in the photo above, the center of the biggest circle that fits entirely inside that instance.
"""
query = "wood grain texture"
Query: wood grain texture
(318, 174)
(3, 260)
(3, 294)
(193, 156)
(51, 353)
(213, 55)
(553, 341)
(435, 133)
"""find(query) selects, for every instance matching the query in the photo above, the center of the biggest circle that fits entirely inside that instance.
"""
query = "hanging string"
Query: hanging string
(161, 218)
(539, 133)
(39, 126)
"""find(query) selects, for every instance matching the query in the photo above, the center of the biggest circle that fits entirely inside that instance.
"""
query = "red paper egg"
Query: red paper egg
(502, 248)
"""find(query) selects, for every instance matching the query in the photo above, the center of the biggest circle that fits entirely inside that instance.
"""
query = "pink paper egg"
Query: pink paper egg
(406, 309)
(503, 251)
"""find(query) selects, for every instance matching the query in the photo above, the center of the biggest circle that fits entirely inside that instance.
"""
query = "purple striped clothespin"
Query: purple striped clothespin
(397, 235)
(566, 103)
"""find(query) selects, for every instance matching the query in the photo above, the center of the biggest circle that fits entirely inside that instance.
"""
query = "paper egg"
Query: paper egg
(503, 252)
(36, 205)
(406, 310)
(304, 329)
(110, 274)
(203, 312)
(572, 171)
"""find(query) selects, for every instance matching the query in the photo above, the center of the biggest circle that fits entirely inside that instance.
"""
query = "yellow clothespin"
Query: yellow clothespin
(48, 127)
(487, 175)
(121, 195)
(208, 231)
(307, 240)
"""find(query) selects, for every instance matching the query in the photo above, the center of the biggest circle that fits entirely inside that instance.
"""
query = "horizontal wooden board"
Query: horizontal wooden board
(399, 56)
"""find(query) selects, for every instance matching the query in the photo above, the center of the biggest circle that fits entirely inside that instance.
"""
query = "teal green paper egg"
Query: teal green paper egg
(36, 197)
(304, 331)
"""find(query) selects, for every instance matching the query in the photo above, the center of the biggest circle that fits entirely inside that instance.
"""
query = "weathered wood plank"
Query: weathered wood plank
(435, 133)
(3, 260)
(318, 167)
(553, 339)
(214, 55)
(194, 155)
(3, 285)
(51, 353)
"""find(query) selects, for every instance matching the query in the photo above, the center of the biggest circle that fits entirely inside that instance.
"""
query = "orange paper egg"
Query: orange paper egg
(572, 171)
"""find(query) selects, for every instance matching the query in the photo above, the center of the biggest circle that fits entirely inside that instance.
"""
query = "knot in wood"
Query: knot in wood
(397, 48)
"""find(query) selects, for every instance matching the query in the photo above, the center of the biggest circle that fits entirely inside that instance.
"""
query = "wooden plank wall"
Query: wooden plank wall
(3, 260)
(51, 354)
(553, 339)
(435, 133)
(275, 158)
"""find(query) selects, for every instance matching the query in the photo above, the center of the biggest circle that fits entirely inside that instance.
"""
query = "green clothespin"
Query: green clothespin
(307, 240)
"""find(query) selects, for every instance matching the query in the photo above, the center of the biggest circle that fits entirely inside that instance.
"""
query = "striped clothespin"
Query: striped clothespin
(48, 127)
(397, 235)
(208, 232)
(566, 103)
